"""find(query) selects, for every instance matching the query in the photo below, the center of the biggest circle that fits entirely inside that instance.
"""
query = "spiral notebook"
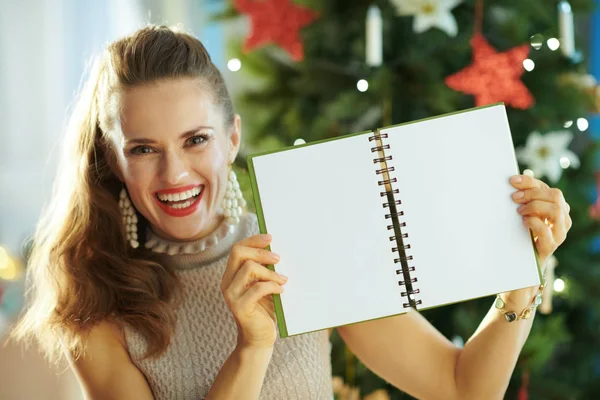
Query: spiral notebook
(416, 215)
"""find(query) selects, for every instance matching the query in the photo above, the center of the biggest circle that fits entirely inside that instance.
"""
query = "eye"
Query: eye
(197, 139)
(138, 150)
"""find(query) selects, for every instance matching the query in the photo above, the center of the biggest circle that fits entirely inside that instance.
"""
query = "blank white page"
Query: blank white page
(322, 205)
(466, 237)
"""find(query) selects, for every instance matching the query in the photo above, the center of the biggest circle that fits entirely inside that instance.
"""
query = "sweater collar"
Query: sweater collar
(199, 252)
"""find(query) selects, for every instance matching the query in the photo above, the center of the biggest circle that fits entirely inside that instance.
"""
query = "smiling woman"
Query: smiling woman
(129, 263)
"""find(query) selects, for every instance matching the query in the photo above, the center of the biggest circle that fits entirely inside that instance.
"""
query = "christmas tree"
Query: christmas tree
(315, 69)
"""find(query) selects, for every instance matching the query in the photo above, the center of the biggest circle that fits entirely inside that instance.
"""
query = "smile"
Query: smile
(180, 202)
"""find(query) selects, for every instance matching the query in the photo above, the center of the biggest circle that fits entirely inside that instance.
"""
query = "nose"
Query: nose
(173, 169)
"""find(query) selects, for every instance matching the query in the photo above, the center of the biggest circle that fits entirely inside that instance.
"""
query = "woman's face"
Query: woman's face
(174, 156)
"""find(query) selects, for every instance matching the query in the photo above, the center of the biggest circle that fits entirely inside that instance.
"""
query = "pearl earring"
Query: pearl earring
(233, 201)
(130, 219)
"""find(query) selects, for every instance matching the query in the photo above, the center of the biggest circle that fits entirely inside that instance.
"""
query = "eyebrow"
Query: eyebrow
(182, 136)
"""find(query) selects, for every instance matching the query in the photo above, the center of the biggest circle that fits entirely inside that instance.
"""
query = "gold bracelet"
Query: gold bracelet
(512, 316)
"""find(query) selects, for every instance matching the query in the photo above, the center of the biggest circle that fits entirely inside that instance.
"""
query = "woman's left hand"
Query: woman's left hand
(544, 211)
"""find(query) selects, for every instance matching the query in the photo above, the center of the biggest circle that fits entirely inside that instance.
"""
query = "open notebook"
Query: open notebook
(415, 215)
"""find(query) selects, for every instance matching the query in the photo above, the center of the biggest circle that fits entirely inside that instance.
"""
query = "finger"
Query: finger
(240, 255)
(247, 250)
(258, 291)
(551, 195)
(526, 182)
(259, 241)
(543, 209)
(561, 221)
(544, 239)
(568, 221)
(248, 274)
(269, 306)
(268, 303)
(560, 224)
(559, 230)
(550, 213)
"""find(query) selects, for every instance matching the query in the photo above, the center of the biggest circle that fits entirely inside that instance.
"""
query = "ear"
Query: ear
(235, 137)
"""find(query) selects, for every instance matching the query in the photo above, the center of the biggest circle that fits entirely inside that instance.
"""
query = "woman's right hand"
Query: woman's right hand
(247, 286)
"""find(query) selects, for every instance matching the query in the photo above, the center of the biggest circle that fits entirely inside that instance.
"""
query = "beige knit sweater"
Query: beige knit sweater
(206, 333)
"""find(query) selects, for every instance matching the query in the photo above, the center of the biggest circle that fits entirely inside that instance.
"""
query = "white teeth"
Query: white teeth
(183, 205)
(180, 196)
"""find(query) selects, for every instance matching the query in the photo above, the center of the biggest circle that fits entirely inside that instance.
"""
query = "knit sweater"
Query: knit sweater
(206, 333)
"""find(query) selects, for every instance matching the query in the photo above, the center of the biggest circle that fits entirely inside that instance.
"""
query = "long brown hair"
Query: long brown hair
(81, 270)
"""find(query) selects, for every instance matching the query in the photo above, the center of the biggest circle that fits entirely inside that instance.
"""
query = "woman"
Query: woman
(150, 279)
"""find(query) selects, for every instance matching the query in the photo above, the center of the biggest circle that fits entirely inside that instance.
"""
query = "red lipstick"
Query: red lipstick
(179, 212)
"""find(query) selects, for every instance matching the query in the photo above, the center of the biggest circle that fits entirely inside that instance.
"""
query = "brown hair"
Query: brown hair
(81, 270)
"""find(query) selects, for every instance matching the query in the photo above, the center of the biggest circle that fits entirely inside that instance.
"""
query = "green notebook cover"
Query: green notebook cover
(281, 321)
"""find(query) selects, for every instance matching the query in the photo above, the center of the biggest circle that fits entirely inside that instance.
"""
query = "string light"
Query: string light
(3, 258)
(299, 141)
(8, 268)
(234, 64)
(568, 124)
(582, 124)
(565, 162)
(536, 41)
(458, 341)
(553, 44)
(528, 64)
(362, 85)
(559, 285)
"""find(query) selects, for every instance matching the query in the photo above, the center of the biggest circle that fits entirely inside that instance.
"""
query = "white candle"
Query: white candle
(567, 33)
(374, 46)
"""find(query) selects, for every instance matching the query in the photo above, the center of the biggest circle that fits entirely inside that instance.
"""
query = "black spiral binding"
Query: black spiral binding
(399, 236)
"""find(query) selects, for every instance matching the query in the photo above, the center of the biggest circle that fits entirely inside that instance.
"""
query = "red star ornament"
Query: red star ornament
(276, 21)
(494, 77)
